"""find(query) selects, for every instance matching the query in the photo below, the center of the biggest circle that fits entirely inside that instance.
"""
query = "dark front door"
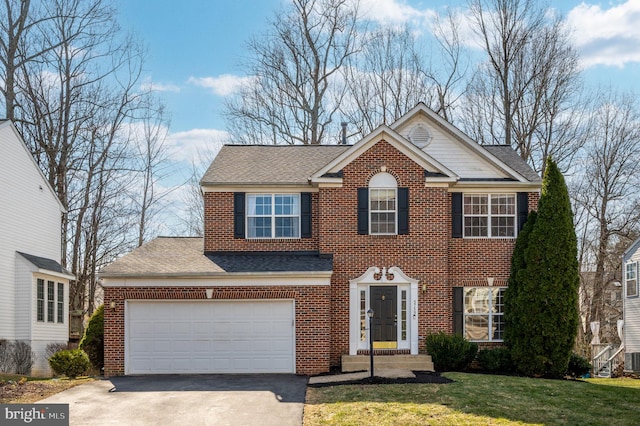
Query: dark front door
(385, 316)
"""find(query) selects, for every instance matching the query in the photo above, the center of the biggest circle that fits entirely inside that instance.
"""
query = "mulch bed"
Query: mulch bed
(421, 377)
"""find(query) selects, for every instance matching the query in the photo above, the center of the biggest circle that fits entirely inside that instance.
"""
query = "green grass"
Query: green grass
(478, 399)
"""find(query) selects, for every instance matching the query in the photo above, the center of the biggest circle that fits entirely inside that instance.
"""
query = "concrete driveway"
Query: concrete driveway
(262, 399)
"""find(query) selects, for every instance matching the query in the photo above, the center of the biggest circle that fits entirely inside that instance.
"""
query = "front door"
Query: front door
(385, 316)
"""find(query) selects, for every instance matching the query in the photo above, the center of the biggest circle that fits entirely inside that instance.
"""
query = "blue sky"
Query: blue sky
(195, 47)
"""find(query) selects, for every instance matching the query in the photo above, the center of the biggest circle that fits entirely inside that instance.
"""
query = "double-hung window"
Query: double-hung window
(273, 215)
(489, 215)
(40, 300)
(60, 306)
(50, 300)
(631, 279)
(483, 313)
(383, 211)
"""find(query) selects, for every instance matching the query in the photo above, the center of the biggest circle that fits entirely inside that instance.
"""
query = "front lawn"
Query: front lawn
(478, 399)
(23, 390)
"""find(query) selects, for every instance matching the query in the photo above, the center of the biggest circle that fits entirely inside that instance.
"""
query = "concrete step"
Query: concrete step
(387, 362)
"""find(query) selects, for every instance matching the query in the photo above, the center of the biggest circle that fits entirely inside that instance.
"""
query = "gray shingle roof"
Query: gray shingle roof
(510, 157)
(44, 263)
(272, 262)
(163, 256)
(176, 256)
(269, 164)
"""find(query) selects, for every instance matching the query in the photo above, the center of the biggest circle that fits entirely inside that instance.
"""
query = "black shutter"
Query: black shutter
(523, 209)
(456, 214)
(403, 211)
(363, 211)
(238, 214)
(458, 310)
(305, 215)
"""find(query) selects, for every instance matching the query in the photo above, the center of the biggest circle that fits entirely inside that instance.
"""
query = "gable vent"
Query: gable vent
(420, 136)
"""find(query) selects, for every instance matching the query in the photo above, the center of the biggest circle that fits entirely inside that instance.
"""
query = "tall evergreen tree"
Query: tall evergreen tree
(515, 332)
(545, 312)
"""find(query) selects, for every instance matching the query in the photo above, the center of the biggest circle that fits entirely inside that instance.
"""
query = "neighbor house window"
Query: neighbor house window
(383, 207)
(40, 300)
(489, 215)
(50, 300)
(60, 302)
(273, 215)
(483, 313)
(631, 279)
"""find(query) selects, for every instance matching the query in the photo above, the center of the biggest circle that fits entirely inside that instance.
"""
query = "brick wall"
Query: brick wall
(311, 307)
(422, 254)
(218, 229)
(427, 253)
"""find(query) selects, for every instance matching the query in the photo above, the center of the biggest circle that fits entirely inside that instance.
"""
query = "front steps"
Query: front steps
(352, 363)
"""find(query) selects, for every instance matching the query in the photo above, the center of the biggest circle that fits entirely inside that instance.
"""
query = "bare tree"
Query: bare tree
(448, 72)
(385, 80)
(606, 193)
(76, 104)
(521, 94)
(296, 87)
(151, 157)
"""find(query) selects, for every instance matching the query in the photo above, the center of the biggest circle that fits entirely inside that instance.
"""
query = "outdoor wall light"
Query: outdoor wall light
(112, 305)
(424, 288)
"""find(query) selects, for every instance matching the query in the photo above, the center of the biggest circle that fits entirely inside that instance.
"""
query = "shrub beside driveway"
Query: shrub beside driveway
(477, 399)
(19, 389)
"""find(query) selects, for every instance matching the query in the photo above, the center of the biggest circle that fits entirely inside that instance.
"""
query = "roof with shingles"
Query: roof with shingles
(510, 157)
(164, 256)
(269, 164)
(294, 164)
(44, 263)
(176, 256)
(272, 262)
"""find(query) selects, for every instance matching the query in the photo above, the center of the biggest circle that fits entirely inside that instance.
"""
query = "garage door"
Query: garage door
(209, 337)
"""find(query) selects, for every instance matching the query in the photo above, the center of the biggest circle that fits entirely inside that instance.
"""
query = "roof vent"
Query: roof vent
(420, 136)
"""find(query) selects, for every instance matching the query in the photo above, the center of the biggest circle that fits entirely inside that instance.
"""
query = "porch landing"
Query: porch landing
(352, 363)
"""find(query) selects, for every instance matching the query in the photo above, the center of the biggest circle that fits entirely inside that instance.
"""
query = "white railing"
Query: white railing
(607, 360)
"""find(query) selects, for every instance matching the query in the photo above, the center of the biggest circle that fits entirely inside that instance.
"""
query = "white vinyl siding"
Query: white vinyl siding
(631, 309)
(29, 223)
(453, 154)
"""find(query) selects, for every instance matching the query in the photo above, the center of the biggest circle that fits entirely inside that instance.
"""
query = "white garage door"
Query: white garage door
(209, 337)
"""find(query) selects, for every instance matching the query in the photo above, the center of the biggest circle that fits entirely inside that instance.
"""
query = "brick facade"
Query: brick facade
(311, 307)
(428, 253)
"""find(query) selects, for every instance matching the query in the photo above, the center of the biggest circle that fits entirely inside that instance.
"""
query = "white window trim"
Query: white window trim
(394, 211)
(634, 265)
(45, 300)
(489, 216)
(363, 283)
(490, 314)
(383, 181)
(273, 216)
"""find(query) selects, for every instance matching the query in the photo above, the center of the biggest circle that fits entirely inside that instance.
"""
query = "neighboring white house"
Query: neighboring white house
(631, 310)
(34, 288)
